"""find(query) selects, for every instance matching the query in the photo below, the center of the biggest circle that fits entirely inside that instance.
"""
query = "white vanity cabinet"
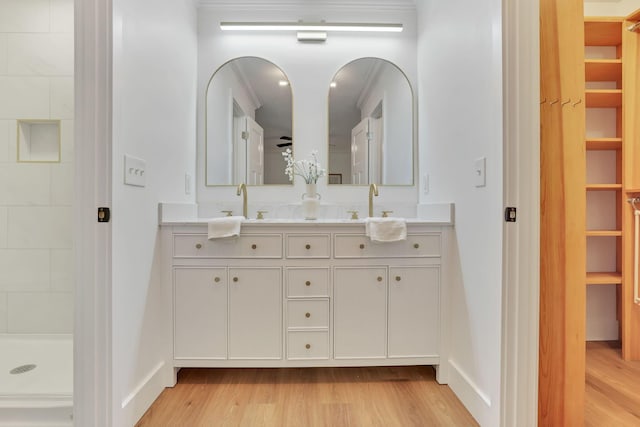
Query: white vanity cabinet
(306, 294)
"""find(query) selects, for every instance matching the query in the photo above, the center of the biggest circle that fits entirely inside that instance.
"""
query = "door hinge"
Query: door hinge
(104, 214)
(510, 214)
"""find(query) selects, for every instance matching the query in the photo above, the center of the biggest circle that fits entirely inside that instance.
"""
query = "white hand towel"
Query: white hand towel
(227, 226)
(386, 229)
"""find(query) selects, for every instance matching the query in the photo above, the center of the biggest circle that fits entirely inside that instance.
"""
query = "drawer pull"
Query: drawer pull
(379, 278)
(308, 346)
(307, 315)
(235, 279)
(254, 246)
(217, 280)
(198, 245)
(398, 278)
(416, 245)
(361, 245)
(308, 283)
(307, 246)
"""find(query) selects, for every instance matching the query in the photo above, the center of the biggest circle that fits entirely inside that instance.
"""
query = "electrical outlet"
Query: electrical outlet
(135, 171)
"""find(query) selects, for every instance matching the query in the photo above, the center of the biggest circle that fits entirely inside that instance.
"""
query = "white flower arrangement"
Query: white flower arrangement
(310, 170)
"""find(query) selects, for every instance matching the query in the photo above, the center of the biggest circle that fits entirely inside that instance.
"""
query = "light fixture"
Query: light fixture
(333, 84)
(312, 36)
(283, 83)
(309, 26)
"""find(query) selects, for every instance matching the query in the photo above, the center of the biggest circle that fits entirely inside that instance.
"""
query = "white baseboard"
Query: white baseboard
(476, 401)
(146, 392)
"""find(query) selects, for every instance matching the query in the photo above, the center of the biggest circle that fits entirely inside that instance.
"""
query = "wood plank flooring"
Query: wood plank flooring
(340, 397)
(612, 387)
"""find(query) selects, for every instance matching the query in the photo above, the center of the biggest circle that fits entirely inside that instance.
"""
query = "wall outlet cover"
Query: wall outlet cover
(480, 172)
(135, 171)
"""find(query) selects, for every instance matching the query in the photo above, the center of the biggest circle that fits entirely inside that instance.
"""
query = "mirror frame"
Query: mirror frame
(414, 151)
(206, 122)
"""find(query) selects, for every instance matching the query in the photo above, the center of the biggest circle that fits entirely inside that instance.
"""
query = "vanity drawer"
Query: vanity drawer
(308, 313)
(308, 345)
(360, 246)
(248, 246)
(309, 246)
(307, 282)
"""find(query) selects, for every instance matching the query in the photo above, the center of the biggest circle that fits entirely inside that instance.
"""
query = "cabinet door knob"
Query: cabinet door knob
(307, 246)
(416, 245)
(398, 278)
(307, 315)
(217, 280)
(361, 245)
(308, 283)
(235, 279)
(308, 346)
(254, 246)
(379, 278)
(198, 245)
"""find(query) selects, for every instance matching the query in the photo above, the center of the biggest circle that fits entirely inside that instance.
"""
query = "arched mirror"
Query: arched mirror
(248, 123)
(370, 124)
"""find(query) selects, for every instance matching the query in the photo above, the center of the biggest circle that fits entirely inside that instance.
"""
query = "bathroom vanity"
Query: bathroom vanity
(307, 294)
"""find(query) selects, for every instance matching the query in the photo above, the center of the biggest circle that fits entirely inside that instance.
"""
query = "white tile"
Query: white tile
(40, 313)
(62, 270)
(24, 97)
(3, 313)
(62, 184)
(62, 97)
(66, 140)
(3, 226)
(3, 54)
(24, 270)
(40, 54)
(61, 236)
(62, 16)
(25, 184)
(4, 140)
(13, 140)
(20, 16)
(30, 228)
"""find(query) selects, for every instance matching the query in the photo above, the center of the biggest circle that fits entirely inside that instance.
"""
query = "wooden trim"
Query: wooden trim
(563, 216)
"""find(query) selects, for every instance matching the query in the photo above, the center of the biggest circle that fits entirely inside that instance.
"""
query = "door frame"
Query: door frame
(92, 397)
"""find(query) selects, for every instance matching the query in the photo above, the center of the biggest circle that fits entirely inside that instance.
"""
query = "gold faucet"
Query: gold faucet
(373, 191)
(242, 188)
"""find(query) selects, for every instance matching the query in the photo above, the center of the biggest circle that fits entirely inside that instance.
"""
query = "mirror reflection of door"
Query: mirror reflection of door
(360, 152)
(250, 95)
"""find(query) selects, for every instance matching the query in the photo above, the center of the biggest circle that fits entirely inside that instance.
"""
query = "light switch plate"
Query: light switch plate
(480, 172)
(135, 171)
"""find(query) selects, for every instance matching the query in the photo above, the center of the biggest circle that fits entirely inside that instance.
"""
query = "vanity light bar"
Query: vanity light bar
(310, 26)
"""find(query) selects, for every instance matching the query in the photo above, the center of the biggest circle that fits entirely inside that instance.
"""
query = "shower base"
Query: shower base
(36, 380)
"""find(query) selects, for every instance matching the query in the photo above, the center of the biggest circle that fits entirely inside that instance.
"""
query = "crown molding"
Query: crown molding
(302, 4)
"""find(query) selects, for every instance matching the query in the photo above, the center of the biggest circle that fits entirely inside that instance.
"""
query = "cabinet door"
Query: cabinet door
(360, 312)
(200, 313)
(255, 313)
(414, 316)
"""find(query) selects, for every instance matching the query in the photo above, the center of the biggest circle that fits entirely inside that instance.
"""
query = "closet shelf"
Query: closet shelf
(604, 278)
(604, 143)
(604, 233)
(603, 70)
(602, 31)
(603, 98)
(604, 187)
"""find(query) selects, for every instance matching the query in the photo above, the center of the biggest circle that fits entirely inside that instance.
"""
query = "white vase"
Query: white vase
(310, 202)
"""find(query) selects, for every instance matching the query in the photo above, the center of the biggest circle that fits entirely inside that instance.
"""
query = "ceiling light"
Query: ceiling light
(309, 26)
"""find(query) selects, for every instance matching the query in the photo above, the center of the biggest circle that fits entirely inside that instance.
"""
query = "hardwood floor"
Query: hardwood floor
(612, 387)
(341, 397)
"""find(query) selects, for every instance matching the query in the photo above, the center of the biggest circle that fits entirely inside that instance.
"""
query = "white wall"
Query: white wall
(36, 82)
(610, 7)
(154, 83)
(460, 104)
(310, 68)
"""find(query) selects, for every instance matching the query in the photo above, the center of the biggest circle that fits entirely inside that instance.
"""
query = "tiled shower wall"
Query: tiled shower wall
(36, 82)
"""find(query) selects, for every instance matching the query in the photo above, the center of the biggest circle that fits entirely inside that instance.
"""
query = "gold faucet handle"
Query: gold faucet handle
(261, 214)
(228, 213)
(354, 214)
(385, 214)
